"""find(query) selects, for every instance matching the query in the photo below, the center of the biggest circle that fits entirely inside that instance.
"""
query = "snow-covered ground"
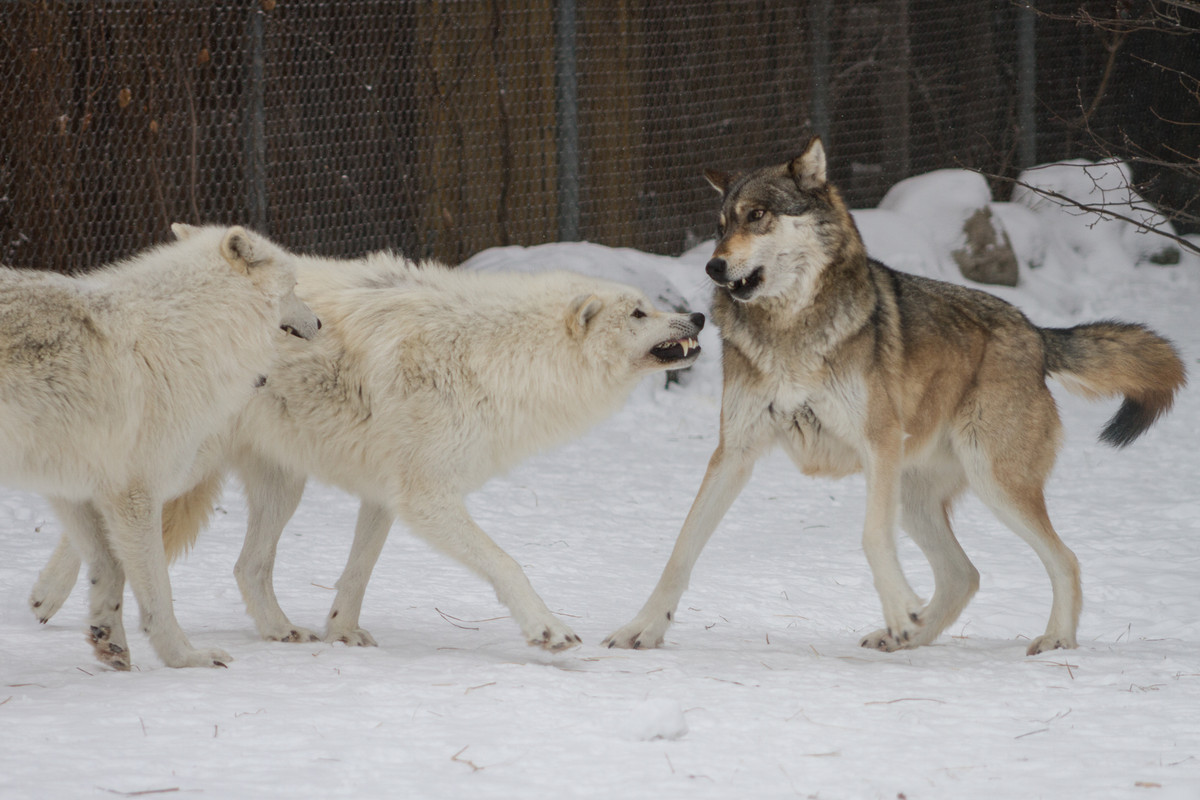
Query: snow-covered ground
(761, 690)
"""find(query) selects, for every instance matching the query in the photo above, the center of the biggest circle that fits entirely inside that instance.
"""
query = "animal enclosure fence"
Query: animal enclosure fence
(442, 128)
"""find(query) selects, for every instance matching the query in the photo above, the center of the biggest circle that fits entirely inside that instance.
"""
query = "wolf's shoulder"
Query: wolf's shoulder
(919, 296)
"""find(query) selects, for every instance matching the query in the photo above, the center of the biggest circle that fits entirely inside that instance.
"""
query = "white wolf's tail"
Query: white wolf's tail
(185, 516)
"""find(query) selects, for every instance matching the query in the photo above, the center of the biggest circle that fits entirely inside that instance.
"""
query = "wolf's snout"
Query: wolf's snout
(716, 270)
(697, 319)
(303, 330)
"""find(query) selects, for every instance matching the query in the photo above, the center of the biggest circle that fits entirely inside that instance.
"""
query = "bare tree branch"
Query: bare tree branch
(1102, 209)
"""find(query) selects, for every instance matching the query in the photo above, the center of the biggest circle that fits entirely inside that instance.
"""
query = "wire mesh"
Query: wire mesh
(442, 128)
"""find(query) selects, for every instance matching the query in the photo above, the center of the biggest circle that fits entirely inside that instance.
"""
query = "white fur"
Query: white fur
(110, 384)
(427, 383)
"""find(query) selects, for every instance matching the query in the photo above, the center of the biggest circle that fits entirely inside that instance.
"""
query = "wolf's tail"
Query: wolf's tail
(185, 516)
(1104, 359)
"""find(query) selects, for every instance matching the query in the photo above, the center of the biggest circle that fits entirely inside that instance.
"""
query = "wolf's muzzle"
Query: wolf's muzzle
(303, 331)
(741, 289)
(717, 269)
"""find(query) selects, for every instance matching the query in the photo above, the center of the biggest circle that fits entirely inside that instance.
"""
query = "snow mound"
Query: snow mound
(1059, 189)
(657, 718)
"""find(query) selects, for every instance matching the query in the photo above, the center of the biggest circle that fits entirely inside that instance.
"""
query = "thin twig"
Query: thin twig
(474, 767)
(904, 700)
(142, 793)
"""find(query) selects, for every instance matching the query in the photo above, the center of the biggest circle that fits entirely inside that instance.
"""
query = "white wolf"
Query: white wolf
(425, 383)
(109, 385)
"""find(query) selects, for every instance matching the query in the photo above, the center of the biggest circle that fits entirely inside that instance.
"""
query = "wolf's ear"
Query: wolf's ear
(581, 312)
(808, 168)
(721, 181)
(182, 231)
(238, 249)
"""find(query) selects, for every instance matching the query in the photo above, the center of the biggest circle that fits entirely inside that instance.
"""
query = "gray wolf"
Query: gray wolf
(425, 383)
(110, 386)
(926, 387)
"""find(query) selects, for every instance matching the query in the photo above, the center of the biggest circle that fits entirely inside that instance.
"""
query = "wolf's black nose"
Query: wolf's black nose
(716, 270)
(697, 319)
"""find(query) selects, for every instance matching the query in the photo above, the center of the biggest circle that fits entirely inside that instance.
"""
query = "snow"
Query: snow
(761, 690)
(1100, 184)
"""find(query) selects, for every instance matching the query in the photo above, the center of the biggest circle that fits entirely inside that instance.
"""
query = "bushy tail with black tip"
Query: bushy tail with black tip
(1106, 359)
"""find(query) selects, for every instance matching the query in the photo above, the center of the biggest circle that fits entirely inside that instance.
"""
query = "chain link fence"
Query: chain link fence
(442, 128)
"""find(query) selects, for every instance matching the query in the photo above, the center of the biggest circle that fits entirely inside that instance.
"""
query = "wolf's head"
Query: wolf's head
(618, 324)
(265, 263)
(778, 229)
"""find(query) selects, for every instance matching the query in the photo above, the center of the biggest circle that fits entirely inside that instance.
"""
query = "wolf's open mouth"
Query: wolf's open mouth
(745, 287)
(675, 350)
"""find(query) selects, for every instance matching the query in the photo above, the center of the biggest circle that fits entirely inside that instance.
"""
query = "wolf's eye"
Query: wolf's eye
(756, 215)
(638, 313)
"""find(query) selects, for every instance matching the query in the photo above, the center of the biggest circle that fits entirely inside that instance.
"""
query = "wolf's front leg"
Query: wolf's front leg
(133, 521)
(727, 475)
(370, 532)
(56, 580)
(901, 605)
(444, 522)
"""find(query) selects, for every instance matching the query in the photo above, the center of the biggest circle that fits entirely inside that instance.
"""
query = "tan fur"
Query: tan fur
(927, 387)
(188, 514)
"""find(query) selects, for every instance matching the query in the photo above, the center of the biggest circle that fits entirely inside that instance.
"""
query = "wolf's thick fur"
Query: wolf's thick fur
(111, 383)
(426, 383)
(927, 387)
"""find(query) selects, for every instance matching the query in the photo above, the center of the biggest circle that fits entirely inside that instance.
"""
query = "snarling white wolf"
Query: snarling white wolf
(110, 383)
(425, 383)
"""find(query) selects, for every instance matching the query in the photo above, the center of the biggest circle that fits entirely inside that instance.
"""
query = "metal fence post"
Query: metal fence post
(819, 14)
(566, 101)
(254, 143)
(1027, 86)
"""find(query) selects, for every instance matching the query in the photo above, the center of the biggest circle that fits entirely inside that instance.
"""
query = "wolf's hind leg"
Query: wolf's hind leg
(370, 532)
(84, 536)
(56, 580)
(272, 494)
(1008, 469)
(1023, 510)
(445, 523)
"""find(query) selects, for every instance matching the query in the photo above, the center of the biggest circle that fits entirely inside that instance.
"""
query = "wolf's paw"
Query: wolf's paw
(201, 657)
(905, 627)
(1048, 642)
(293, 634)
(108, 652)
(48, 596)
(884, 640)
(354, 637)
(641, 634)
(553, 636)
